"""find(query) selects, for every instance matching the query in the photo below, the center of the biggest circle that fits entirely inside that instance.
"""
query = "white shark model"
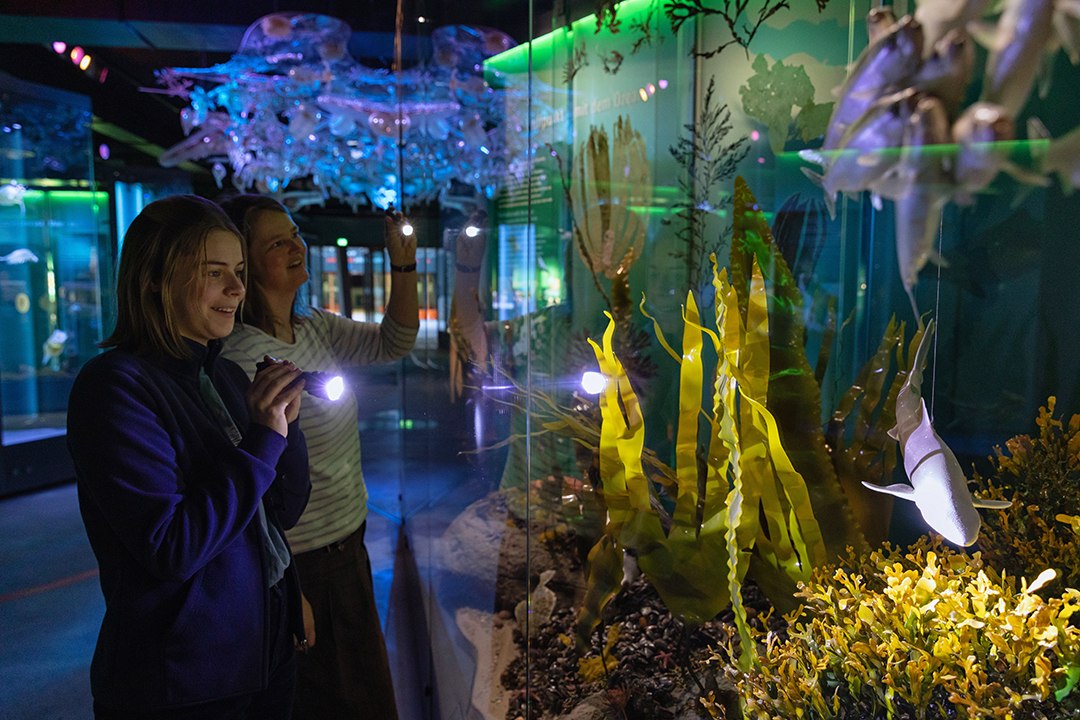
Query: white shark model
(938, 486)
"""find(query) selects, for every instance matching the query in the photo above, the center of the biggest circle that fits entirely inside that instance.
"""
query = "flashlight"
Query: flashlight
(593, 382)
(406, 226)
(323, 384)
(320, 384)
(472, 231)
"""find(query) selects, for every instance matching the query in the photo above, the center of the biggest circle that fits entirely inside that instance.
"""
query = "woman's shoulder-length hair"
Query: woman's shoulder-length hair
(242, 210)
(159, 261)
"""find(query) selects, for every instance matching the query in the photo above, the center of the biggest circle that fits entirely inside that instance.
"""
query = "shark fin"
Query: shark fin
(900, 490)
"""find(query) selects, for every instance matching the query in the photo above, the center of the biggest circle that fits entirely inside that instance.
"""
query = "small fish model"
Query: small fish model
(869, 149)
(878, 22)
(1060, 157)
(920, 187)
(979, 133)
(1022, 40)
(938, 486)
(882, 68)
(12, 194)
(18, 257)
(939, 17)
(53, 348)
(946, 71)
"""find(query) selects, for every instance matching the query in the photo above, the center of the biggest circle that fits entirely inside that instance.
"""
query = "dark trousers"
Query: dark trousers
(347, 674)
(273, 703)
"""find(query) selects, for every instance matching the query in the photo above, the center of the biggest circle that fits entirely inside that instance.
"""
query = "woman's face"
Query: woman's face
(209, 311)
(278, 253)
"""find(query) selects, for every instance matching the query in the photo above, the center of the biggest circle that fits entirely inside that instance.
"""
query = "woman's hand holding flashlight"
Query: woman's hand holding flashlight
(273, 399)
(471, 243)
(400, 241)
(325, 385)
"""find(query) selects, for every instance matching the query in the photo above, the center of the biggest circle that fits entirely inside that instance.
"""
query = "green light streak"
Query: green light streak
(1002, 147)
(546, 47)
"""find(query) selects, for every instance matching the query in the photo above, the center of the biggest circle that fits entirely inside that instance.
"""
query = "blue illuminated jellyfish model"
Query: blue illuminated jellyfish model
(293, 106)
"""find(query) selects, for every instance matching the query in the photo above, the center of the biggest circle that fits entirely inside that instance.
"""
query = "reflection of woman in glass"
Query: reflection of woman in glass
(188, 473)
(538, 343)
(346, 674)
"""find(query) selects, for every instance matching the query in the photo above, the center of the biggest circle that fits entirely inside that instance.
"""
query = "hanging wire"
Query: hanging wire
(399, 25)
(937, 311)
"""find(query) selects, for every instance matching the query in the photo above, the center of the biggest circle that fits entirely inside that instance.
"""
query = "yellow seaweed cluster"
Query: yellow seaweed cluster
(1040, 473)
(927, 633)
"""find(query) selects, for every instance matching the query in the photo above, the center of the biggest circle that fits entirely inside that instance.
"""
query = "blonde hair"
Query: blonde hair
(157, 275)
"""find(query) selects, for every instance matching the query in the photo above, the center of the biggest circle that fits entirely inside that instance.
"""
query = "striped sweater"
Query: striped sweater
(327, 342)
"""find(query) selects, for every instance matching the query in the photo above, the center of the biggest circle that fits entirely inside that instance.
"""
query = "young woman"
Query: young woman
(346, 673)
(188, 474)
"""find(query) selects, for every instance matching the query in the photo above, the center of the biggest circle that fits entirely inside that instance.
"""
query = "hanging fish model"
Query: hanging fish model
(947, 70)
(870, 148)
(939, 17)
(981, 135)
(1023, 38)
(878, 22)
(920, 186)
(19, 257)
(882, 68)
(12, 194)
(1057, 156)
(938, 486)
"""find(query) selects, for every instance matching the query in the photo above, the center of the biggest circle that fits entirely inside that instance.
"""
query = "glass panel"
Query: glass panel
(657, 136)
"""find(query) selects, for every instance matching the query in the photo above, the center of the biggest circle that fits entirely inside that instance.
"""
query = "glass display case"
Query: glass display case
(763, 347)
(56, 252)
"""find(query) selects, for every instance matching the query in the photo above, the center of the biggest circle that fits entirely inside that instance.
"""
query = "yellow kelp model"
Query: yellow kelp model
(698, 567)
(753, 468)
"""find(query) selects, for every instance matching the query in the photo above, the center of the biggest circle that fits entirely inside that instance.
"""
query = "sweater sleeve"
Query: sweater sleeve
(292, 487)
(128, 445)
(292, 484)
(363, 343)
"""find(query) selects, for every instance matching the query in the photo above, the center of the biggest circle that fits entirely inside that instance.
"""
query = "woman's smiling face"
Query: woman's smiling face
(278, 253)
(217, 289)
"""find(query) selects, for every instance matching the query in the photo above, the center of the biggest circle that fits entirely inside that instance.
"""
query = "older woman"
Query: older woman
(346, 674)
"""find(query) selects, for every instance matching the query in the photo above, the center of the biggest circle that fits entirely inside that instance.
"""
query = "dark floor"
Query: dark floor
(51, 605)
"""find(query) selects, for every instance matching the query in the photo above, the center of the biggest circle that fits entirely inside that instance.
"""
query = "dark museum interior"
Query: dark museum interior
(741, 378)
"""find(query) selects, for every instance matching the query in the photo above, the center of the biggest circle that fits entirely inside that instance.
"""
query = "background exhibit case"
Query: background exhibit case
(55, 252)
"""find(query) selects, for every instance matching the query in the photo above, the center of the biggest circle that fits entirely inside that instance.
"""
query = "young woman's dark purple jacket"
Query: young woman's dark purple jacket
(170, 508)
